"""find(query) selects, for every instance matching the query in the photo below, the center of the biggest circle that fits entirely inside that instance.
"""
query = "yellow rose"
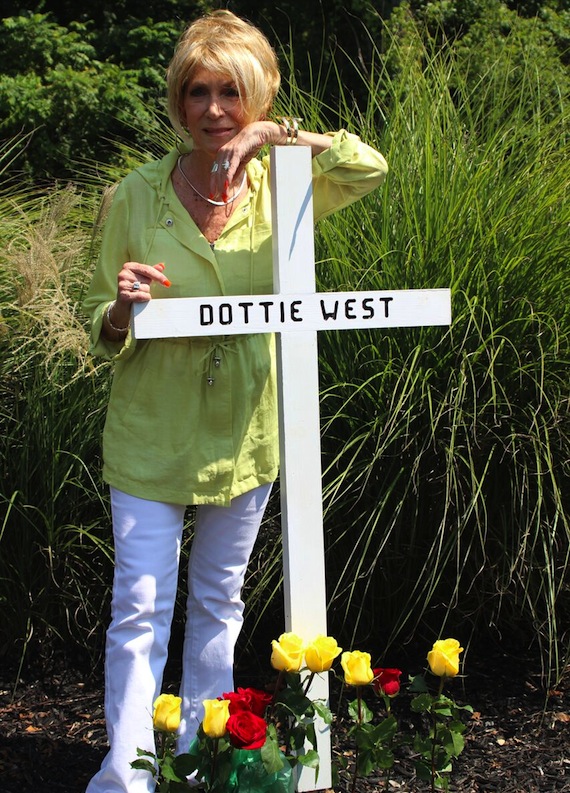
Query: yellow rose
(216, 714)
(320, 654)
(443, 658)
(287, 652)
(357, 669)
(166, 715)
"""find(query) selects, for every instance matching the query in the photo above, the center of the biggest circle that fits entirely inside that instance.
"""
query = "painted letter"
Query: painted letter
(206, 314)
(295, 310)
(266, 304)
(348, 308)
(386, 300)
(245, 307)
(227, 309)
(331, 314)
(367, 306)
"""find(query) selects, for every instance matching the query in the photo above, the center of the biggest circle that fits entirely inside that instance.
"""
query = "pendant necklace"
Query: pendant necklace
(209, 200)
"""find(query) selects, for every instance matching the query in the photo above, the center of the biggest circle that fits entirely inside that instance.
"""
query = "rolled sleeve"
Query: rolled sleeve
(345, 172)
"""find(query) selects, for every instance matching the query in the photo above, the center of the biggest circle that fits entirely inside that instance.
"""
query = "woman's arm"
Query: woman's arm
(110, 294)
(247, 143)
(340, 157)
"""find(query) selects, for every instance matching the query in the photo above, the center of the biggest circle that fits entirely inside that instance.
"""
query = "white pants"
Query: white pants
(147, 538)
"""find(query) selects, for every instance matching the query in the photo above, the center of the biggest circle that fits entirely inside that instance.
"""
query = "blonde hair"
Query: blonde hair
(224, 44)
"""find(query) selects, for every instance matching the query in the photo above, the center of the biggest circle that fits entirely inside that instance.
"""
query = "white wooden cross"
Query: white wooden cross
(296, 312)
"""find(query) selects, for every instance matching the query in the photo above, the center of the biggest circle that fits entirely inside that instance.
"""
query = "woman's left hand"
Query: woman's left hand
(233, 156)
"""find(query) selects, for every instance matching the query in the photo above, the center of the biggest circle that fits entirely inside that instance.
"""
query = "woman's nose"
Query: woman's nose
(215, 107)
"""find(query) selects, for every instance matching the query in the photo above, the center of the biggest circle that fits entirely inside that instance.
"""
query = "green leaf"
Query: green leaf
(144, 765)
(386, 730)
(365, 763)
(384, 757)
(365, 714)
(353, 709)
(185, 764)
(144, 753)
(311, 734)
(441, 761)
(297, 737)
(423, 770)
(323, 711)
(293, 681)
(310, 759)
(418, 685)
(295, 702)
(443, 706)
(457, 726)
(454, 744)
(422, 745)
(169, 773)
(363, 737)
(271, 757)
(441, 782)
(422, 703)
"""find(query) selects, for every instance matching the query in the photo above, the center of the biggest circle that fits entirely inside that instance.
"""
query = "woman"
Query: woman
(193, 421)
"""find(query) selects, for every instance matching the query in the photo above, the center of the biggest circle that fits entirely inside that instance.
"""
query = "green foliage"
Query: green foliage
(75, 106)
(444, 740)
(33, 44)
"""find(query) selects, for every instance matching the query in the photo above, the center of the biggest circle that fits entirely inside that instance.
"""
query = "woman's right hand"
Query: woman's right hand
(133, 286)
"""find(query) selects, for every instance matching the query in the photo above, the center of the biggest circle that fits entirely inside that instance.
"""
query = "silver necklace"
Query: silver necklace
(209, 200)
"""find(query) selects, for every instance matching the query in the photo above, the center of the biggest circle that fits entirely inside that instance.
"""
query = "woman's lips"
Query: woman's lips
(216, 131)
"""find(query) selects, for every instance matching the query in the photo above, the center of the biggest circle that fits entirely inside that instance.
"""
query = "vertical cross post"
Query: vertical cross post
(299, 426)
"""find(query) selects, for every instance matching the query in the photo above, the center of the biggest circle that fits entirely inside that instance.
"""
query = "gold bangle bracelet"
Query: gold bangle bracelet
(291, 124)
(109, 322)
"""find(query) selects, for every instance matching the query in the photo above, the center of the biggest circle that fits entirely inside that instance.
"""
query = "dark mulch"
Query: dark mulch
(52, 733)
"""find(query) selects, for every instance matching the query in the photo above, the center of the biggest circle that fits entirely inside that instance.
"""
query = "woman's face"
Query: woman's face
(211, 110)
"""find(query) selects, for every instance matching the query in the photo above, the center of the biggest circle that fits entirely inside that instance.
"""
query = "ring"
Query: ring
(136, 285)
(226, 165)
(215, 167)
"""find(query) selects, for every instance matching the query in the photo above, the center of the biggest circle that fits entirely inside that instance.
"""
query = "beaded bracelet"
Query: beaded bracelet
(291, 128)
(108, 315)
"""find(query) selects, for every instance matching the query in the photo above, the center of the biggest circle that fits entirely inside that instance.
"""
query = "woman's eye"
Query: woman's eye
(231, 92)
(197, 90)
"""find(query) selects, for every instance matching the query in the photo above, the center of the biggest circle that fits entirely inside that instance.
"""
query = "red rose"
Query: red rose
(246, 730)
(386, 681)
(258, 700)
(252, 699)
(237, 702)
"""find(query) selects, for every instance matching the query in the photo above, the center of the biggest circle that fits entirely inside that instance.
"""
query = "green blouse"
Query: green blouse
(194, 420)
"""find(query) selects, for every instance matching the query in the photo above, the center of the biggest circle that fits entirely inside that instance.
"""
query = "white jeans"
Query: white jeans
(147, 538)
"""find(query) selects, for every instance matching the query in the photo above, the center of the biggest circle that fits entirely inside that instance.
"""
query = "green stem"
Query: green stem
(388, 706)
(434, 741)
(160, 755)
(359, 722)
(309, 681)
(214, 759)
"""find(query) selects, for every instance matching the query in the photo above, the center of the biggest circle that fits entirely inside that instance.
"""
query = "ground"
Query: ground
(52, 733)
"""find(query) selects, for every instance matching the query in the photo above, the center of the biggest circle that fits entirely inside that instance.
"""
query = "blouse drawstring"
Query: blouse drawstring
(215, 354)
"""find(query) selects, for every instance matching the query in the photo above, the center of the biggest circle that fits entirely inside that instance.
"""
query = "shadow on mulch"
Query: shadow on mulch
(52, 733)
